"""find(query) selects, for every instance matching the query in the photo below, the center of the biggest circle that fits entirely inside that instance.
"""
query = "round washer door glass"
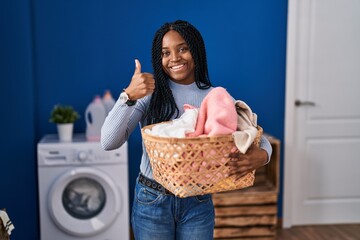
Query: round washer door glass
(84, 202)
(84, 198)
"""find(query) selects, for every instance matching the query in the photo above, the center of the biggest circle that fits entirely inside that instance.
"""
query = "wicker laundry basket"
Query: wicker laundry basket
(194, 165)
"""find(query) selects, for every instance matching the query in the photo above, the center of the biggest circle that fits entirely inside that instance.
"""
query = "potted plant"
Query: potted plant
(64, 116)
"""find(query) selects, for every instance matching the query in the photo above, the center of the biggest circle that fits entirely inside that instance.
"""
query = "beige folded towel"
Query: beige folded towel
(246, 127)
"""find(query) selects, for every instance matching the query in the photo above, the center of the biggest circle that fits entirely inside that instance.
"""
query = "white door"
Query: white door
(322, 132)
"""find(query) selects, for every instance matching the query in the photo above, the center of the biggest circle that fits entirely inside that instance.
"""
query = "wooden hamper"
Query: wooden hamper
(251, 213)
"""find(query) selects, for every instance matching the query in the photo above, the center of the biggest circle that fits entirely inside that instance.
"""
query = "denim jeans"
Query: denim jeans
(161, 216)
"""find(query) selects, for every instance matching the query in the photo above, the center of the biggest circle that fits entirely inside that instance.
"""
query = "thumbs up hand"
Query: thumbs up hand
(141, 84)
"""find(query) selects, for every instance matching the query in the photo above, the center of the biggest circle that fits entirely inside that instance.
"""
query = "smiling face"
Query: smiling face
(177, 61)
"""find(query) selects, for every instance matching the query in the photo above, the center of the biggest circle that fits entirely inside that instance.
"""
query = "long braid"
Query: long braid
(162, 104)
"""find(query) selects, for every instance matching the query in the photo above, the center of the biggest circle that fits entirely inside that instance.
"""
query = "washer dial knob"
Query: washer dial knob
(82, 156)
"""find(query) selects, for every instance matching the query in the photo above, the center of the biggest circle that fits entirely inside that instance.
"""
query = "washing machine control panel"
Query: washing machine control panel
(94, 155)
(78, 153)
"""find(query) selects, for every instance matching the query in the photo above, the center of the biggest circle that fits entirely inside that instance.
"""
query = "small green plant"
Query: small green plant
(63, 114)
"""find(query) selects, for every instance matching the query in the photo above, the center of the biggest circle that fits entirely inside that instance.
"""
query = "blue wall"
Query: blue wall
(68, 51)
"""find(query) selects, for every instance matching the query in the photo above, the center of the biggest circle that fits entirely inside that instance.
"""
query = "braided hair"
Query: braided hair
(162, 104)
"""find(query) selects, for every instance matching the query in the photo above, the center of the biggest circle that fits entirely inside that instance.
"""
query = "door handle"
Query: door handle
(299, 103)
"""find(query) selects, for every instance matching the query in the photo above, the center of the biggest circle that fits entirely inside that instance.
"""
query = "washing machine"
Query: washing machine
(83, 190)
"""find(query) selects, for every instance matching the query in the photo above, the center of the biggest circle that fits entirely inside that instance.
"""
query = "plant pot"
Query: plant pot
(65, 131)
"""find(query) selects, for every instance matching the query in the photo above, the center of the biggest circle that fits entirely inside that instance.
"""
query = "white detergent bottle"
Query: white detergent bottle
(95, 115)
(108, 101)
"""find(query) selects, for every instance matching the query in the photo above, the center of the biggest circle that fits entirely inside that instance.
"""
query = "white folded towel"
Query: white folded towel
(6, 222)
(177, 127)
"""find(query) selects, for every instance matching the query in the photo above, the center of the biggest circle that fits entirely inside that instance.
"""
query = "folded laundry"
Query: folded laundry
(248, 117)
(178, 127)
(217, 114)
(246, 128)
(8, 226)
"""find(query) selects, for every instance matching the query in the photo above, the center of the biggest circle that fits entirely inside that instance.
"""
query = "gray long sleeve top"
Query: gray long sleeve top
(123, 119)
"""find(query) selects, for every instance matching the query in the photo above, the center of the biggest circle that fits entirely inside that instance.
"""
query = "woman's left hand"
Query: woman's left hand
(241, 164)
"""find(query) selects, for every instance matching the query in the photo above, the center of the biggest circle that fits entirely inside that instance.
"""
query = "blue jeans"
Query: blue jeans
(161, 216)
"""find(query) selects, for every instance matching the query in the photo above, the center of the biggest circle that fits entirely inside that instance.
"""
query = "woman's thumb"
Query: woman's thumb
(137, 66)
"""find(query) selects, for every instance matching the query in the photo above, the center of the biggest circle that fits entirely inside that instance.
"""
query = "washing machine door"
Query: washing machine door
(84, 202)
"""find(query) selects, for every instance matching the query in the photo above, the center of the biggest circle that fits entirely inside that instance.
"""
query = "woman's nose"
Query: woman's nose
(175, 56)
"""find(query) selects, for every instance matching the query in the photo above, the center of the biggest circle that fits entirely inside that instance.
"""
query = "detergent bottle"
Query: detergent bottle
(108, 101)
(95, 115)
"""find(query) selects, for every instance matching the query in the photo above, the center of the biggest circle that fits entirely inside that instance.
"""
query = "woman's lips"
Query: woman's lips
(177, 67)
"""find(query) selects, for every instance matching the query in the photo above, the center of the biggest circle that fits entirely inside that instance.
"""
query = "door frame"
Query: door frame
(290, 120)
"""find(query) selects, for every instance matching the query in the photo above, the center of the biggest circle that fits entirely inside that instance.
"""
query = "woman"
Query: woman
(180, 77)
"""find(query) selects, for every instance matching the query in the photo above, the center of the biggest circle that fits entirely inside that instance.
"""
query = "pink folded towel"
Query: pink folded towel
(217, 114)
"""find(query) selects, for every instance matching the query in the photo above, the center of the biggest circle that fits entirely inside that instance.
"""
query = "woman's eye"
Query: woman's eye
(183, 49)
(165, 54)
